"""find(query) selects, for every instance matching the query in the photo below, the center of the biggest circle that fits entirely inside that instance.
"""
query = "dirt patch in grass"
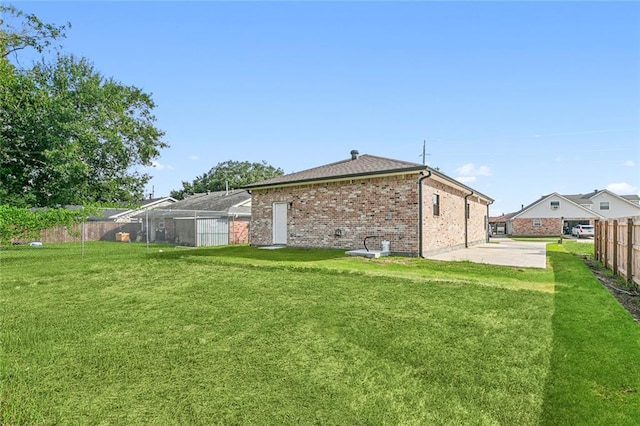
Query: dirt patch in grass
(629, 298)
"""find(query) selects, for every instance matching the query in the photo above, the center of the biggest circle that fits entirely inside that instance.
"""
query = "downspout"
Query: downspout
(466, 219)
(487, 225)
(420, 211)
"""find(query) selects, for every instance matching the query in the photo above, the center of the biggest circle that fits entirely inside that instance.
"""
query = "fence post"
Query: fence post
(606, 244)
(615, 247)
(630, 250)
(596, 240)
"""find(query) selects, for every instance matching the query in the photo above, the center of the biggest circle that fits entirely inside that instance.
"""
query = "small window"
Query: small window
(537, 223)
(436, 205)
(604, 205)
(555, 205)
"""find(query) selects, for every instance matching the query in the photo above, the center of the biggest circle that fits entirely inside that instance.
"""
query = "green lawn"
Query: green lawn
(237, 335)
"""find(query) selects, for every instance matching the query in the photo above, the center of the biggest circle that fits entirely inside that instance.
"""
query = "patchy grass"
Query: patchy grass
(240, 335)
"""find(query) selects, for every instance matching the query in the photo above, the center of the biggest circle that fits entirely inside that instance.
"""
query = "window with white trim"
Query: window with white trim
(555, 205)
(537, 223)
(604, 205)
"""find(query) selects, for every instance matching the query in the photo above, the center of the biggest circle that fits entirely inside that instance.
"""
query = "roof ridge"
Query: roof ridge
(357, 165)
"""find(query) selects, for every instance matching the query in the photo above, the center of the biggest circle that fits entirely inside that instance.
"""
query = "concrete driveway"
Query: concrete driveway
(501, 251)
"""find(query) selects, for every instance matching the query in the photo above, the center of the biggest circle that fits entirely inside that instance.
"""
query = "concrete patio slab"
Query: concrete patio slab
(503, 251)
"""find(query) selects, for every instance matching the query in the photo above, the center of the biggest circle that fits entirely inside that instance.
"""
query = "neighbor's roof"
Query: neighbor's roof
(362, 166)
(503, 218)
(554, 194)
(586, 199)
(206, 205)
(213, 201)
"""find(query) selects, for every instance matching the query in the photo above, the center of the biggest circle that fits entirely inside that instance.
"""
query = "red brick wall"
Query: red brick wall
(387, 207)
(238, 230)
(525, 227)
(446, 231)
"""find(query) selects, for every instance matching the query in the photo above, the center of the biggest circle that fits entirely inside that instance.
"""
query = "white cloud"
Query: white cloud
(466, 179)
(469, 173)
(194, 158)
(622, 188)
(158, 166)
(629, 163)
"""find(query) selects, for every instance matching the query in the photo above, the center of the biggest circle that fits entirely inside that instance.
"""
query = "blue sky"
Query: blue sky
(515, 99)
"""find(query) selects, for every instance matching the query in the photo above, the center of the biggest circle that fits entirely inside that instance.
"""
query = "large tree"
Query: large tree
(19, 30)
(231, 174)
(69, 135)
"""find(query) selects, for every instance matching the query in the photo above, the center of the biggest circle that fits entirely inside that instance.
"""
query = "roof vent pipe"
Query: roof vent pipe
(354, 154)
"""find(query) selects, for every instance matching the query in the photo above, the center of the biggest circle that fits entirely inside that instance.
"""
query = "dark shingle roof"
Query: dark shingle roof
(503, 218)
(360, 166)
(220, 201)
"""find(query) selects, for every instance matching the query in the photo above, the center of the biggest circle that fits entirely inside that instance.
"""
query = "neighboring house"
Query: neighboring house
(555, 214)
(499, 224)
(151, 203)
(608, 204)
(419, 210)
(549, 216)
(202, 220)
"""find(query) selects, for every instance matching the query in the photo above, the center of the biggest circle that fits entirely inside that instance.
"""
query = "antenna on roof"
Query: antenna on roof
(424, 152)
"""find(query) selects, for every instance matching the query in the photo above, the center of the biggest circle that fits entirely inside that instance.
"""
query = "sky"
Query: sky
(514, 99)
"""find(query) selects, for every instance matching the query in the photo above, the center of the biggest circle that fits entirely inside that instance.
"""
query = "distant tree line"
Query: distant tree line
(228, 175)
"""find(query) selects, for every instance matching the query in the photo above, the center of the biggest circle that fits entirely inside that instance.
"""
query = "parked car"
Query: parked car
(582, 231)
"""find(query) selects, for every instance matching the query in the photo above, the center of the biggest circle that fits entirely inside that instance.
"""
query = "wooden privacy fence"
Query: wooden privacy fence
(617, 246)
(93, 231)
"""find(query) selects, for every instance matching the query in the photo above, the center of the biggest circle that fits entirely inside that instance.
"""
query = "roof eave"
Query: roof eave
(392, 172)
(446, 179)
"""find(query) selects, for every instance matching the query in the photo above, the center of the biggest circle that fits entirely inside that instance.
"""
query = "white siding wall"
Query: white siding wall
(617, 207)
(566, 209)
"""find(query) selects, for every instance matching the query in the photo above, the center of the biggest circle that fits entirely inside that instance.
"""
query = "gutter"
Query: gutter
(420, 211)
(466, 219)
(488, 224)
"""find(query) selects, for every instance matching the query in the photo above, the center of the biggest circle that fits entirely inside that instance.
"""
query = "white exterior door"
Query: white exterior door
(280, 223)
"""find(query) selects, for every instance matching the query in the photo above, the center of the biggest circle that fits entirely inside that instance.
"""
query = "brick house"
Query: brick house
(554, 214)
(419, 210)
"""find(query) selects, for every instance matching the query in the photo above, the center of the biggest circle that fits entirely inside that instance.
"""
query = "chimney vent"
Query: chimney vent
(354, 154)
